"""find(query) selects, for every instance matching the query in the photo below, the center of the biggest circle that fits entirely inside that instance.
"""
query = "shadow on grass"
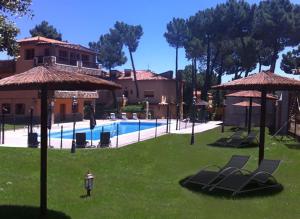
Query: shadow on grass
(222, 143)
(28, 212)
(295, 146)
(218, 193)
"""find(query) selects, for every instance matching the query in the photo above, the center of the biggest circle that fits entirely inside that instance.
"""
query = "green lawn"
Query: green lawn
(142, 181)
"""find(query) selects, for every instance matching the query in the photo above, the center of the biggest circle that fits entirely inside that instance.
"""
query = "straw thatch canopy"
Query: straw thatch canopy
(54, 79)
(246, 104)
(261, 81)
(250, 94)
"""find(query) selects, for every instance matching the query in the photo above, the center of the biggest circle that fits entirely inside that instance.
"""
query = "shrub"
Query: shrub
(133, 109)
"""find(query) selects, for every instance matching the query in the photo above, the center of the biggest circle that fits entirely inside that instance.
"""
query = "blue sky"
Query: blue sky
(84, 21)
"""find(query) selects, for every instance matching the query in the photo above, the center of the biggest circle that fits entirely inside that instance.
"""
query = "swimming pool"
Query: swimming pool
(124, 128)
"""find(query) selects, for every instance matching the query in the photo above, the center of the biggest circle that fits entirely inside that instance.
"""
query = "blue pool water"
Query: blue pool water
(124, 128)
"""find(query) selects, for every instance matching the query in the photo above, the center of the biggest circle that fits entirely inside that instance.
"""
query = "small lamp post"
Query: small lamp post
(74, 107)
(193, 126)
(88, 182)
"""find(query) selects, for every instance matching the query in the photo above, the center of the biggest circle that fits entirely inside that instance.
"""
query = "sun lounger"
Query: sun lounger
(104, 139)
(237, 137)
(112, 116)
(134, 116)
(124, 116)
(206, 177)
(243, 142)
(240, 181)
(81, 141)
(33, 140)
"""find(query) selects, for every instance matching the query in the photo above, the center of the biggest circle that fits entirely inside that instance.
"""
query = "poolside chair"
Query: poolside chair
(81, 141)
(236, 138)
(124, 116)
(33, 140)
(206, 177)
(243, 142)
(240, 181)
(112, 116)
(104, 140)
(134, 116)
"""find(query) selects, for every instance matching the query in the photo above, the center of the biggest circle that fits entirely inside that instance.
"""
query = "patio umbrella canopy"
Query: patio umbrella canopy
(46, 78)
(263, 82)
(250, 94)
(246, 104)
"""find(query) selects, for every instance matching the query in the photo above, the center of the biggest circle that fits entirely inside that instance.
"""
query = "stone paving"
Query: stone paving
(18, 138)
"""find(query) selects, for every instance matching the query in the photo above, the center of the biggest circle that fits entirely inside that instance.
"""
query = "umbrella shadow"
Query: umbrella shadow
(28, 212)
(218, 193)
(295, 146)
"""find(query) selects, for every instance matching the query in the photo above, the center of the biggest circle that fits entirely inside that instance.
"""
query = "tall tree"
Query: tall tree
(130, 36)
(44, 29)
(275, 24)
(176, 35)
(291, 61)
(8, 30)
(109, 49)
(110, 54)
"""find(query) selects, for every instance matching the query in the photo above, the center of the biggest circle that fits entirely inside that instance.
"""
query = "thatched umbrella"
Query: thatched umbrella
(250, 94)
(263, 82)
(46, 78)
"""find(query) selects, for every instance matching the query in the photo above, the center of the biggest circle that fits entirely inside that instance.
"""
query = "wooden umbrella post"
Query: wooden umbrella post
(262, 126)
(43, 177)
(250, 115)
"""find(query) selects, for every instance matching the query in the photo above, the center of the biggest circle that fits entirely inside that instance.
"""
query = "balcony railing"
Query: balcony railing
(65, 61)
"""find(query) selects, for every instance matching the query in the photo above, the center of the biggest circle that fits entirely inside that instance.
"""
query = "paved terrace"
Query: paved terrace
(18, 138)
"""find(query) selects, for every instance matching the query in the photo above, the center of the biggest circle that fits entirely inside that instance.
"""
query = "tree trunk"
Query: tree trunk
(207, 75)
(114, 94)
(134, 75)
(177, 88)
(220, 73)
(273, 60)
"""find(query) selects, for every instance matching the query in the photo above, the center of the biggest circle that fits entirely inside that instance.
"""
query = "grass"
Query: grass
(142, 181)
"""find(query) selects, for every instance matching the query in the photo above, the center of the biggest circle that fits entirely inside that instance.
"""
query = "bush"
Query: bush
(133, 109)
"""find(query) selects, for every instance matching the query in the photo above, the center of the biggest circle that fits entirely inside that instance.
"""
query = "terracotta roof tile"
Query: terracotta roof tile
(40, 39)
(142, 75)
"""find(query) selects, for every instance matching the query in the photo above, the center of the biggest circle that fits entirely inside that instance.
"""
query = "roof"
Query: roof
(250, 93)
(44, 41)
(53, 79)
(41, 39)
(261, 81)
(143, 75)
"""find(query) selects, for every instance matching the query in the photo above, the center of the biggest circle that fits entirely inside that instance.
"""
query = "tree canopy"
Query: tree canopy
(8, 30)
(109, 49)
(291, 61)
(44, 29)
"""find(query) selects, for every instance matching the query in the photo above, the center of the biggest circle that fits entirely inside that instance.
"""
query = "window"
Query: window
(148, 93)
(29, 54)
(6, 108)
(20, 109)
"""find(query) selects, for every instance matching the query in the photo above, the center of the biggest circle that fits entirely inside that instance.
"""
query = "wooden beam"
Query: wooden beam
(262, 126)
(250, 116)
(43, 177)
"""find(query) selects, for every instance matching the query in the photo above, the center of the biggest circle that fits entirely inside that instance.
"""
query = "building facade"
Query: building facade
(35, 51)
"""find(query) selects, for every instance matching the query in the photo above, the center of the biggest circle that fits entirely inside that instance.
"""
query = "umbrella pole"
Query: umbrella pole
(262, 126)
(250, 115)
(43, 177)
